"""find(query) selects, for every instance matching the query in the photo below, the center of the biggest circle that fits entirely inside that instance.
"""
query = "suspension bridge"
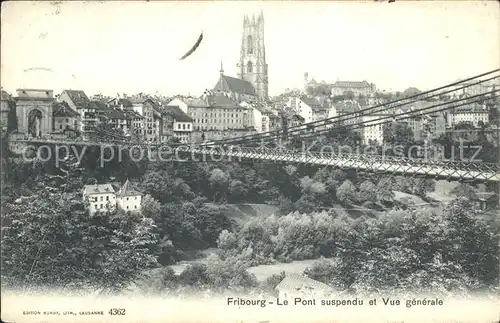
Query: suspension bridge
(255, 147)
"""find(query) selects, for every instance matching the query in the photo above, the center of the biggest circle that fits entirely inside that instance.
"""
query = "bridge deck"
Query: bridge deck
(372, 163)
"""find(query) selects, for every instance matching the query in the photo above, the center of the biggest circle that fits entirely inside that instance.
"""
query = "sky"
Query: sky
(131, 47)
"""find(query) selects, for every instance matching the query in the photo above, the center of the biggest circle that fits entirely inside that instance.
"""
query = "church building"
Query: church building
(252, 81)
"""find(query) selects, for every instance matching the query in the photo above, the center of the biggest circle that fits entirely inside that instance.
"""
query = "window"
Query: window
(250, 44)
(136, 197)
(184, 126)
(135, 206)
(102, 198)
(127, 198)
(100, 206)
(250, 67)
(127, 207)
(107, 198)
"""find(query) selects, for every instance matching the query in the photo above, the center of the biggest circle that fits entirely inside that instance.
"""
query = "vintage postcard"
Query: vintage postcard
(254, 161)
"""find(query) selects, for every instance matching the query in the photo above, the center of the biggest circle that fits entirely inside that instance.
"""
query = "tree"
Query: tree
(422, 186)
(346, 193)
(464, 190)
(385, 188)
(150, 208)
(238, 190)
(219, 181)
(398, 134)
(51, 241)
(471, 242)
(367, 192)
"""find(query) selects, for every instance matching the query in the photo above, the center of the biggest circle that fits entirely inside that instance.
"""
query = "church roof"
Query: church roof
(127, 190)
(235, 85)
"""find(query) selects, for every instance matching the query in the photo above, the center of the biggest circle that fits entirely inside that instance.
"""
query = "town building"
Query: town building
(434, 125)
(373, 127)
(473, 114)
(258, 116)
(79, 102)
(101, 197)
(301, 108)
(346, 112)
(128, 198)
(357, 88)
(34, 111)
(147, 108)
(252, 66)
(104, 198)
(295, 285)
(7, 103)
(175, 123)
(216, 117)
(64, 117)
(338, 88)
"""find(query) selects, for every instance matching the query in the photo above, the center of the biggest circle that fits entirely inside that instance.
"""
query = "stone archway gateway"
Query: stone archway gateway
(34, 122)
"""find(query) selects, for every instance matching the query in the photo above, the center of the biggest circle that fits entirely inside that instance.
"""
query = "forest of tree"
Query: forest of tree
(48, 237)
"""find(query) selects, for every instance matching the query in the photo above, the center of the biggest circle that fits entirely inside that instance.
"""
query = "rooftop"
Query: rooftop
(352, 84)
(236, 85)
(62, 109)
(98, 189)
(127, 190)
(78, 97)
(175, 112)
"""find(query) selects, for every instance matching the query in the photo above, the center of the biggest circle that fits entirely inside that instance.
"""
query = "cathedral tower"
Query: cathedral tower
(252, 66)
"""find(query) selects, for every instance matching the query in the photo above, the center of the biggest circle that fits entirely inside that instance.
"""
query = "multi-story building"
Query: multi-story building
(64, 117)
(104, 198)
(257, 116)
(301, 108)
(373, 128)
(356, 87)
(7, 103)
(473, 114)
(434, 125)
(175, 124)
(215, 117)
(147, 108)
(78, 101)
(128, 199)
(101, 197)
(345, 112)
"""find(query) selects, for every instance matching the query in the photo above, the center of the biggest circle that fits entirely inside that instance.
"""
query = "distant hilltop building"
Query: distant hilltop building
(104, 198)
(252, 82)
(338, 88)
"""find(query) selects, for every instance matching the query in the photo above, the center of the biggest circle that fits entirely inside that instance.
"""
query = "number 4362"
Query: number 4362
(117, 311)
